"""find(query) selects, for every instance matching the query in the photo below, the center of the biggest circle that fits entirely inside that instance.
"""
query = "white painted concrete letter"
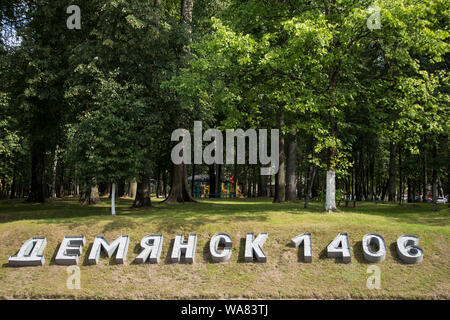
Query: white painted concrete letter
(340, 247)
(69, 250)
(120, 244)
(30, 254)
(152, 245)
(304, 238)
(224, 240)
(408, 249)
(253, 247)
(187, 249)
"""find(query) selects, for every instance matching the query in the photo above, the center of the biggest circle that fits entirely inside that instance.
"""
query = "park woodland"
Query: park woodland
(90, 93)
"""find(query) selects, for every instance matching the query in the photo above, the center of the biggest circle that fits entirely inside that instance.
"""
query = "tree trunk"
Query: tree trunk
(424, 178)
(330, 197)
(261, 182)
(37, 173)
(186, 13)
(448, 177)
(392, 171)
(235, 172)
(372, 176)
(435, 178)
(292, 168)
(312, 169)
(246, 185)
(330, 200)
(13, 184)
(255, 192)
(410, 191)
(158, 183)
(270, 187)
(91, 196)
(358, 189)
(384, 191)
(133, 189)
(192, 179)
(218, 180)
(61, 180)
(164, 180)
(113, 199)
(55, 163)
(142, 199)
(212, 181)
(179, 189)
(280, 183)
(400, 176)
(121, 188)
(300, 185)
(77, 186)
(143, 192)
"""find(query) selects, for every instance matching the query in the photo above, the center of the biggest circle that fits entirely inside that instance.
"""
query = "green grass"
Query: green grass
(283, 276)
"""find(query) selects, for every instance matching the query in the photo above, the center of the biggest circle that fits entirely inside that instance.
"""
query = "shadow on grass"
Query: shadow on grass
(324, 255)
(394, 254)
(86, 255)
(415, 213)
(358, 253)
(300, 251)
(206, 254)
(169, 217)
(167, 260)
(55, 252)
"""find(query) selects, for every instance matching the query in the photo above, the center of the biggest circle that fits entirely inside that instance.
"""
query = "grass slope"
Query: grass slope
(283, 276)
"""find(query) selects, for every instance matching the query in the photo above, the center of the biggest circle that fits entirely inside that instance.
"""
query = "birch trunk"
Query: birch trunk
(330, 200)
(113, 198)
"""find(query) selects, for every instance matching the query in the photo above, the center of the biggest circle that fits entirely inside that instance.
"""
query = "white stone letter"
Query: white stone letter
(187, 249)
(69, 250)
(220, 239)
(30, 254)
(152, 245)
(340, 248)
(120, 244)
(253, 247)
(376, 240)
(408, 249)
(304, 238)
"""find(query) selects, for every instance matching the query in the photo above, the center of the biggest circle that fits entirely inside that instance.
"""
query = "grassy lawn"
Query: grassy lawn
(283, 276)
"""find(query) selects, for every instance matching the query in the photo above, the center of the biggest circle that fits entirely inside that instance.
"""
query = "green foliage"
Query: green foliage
(105, 139)
(316, 65)
(110, 94)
